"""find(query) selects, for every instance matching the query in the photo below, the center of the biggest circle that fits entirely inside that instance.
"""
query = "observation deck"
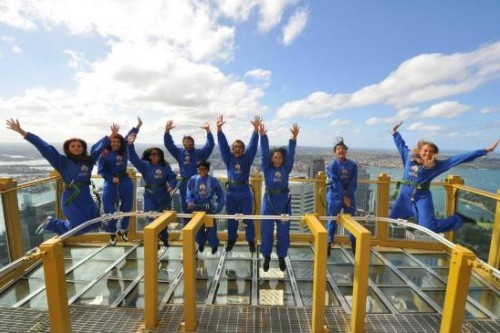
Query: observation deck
(403, 277)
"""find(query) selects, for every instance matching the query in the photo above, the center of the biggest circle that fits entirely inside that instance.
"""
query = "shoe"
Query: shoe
(265, 267)
(251, 246)
(214, 249)
(282, 263)
(467, 219)
(165, 241)
(230, 245)
(329, 250)
(112, 240)
(123, 234)
(353, 246)
(201, 248)
(41, 227)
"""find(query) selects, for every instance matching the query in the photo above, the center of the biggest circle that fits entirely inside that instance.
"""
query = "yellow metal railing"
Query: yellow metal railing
(462, 263)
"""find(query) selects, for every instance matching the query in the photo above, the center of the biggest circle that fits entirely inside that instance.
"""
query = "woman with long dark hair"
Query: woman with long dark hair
(75, 168)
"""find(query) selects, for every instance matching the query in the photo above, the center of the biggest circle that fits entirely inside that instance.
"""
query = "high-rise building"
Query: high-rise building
(317, 165)
(363, 191)
(302, 201)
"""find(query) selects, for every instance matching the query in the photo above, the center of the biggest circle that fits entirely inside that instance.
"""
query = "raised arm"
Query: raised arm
(209, 144)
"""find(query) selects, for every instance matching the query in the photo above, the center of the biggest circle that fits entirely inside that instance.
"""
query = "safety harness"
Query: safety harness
(76, 187)
(416, 186)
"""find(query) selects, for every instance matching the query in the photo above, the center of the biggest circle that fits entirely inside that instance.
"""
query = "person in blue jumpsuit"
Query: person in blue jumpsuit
(159, 178)
(342, 175)
(75, 168)
(421, 166)
(238, 194)
(118, 189)
(276, 166)
(187, 156)
(204, 193)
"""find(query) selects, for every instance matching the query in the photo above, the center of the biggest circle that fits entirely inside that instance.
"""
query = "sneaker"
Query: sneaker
(41, 227)
(230, 244)
(123, 234)
(265, 267)
(353, 246)
(467, 219)
(282, 263)
(214, 249)
(329, 250)
(201, 248)
(251, 246)
(112, 240)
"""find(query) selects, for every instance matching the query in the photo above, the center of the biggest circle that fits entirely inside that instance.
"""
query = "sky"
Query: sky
(338, 68)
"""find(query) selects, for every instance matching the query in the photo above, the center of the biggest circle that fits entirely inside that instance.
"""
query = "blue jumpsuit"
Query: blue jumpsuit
(416, 200)
(110, 165)
(77, 203)
(206, 194)
(188, 159)
(157, 178)
(276, 199)
(343, 181)
(238, 196)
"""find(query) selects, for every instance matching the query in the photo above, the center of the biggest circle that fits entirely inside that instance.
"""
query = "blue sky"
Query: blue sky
(338, 68)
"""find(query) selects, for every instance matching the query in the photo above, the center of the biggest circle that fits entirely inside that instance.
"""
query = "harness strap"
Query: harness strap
(277, 191)
(75, 186)
(235, 182)
(415, 185)
(150, 187)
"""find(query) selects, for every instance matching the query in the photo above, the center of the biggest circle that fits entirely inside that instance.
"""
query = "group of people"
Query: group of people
(200, 191)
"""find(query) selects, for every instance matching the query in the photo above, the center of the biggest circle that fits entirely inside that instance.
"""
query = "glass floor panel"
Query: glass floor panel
(399, 281)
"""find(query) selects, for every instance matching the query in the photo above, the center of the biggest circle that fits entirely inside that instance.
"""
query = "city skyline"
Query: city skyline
(337, 68)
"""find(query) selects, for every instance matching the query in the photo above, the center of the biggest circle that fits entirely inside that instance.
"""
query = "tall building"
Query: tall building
(363, 191)
(302, 201)
(317, 165)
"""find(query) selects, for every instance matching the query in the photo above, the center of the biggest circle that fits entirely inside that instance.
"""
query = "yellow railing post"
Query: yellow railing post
(361, 270)
(151, 232)
(494, 256)
(59, 191)
(256, 183)
(320, 194)
(457, 289)
(451, 200)
(383, 197)
(55, 285)
(320, 262)
(12, 217)
(189, 269)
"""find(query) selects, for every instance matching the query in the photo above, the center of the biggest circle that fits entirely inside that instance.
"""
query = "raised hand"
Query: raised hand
(115, 128)
(206, 127)
(139, 122)
(262, 129)
(395, 128)
(295, 131)
(493, 146)
(131, 138)
(169, 125)
(15, 126)
(220, 122)
(256, 122)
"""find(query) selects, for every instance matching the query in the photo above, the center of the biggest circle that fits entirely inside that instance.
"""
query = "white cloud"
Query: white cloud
(295, 26)
(489, 110)
(340, 122)
(421, 127)
(271, 13)
(238, 10)
(420, 79)
(448, 109)
(260, 74)
(373, 121)
(11, 43)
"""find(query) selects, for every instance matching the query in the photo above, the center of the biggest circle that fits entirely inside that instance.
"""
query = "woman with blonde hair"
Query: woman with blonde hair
(421, 166)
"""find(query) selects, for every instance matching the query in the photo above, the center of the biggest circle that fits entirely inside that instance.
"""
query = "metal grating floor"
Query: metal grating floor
(220, 319)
